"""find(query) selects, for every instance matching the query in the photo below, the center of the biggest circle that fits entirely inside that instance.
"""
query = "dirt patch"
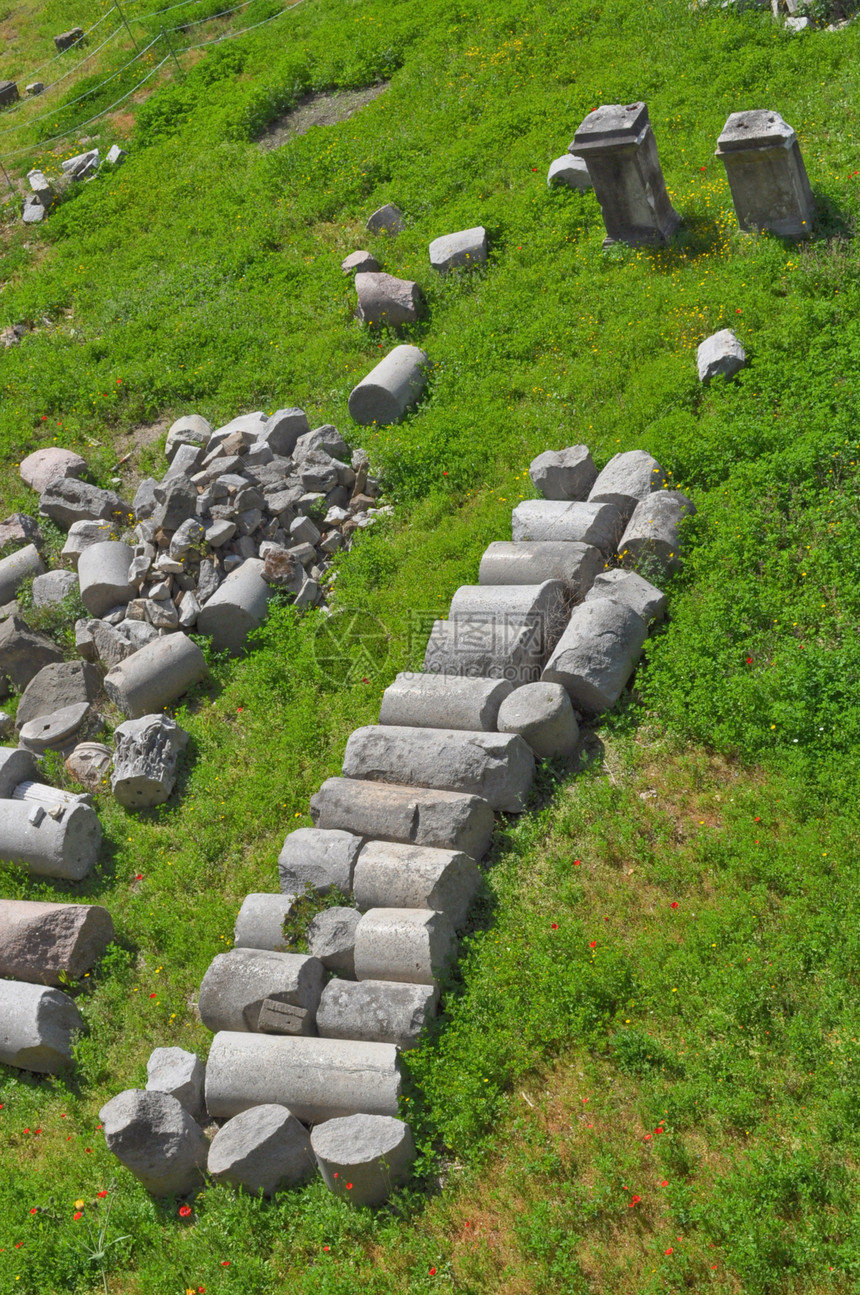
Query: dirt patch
(318, 110)
(133, 449)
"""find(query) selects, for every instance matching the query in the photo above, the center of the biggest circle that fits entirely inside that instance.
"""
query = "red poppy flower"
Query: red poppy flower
(593, 944)
(225, 1263)
(749, 660)
(576, 863)
(184, 1211)
(79, 1214)
(101, 1194)
(34, 1210)
(432, 1272)
(670, 1251)
(349, 1187)
(554, 926)
(326, 1247)
(634, 1200)
(674, 903)
(664, 1183)
(138, 876)
(153, 995)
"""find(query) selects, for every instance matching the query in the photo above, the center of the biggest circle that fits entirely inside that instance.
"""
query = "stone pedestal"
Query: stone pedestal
(766, 174)
(619, 147)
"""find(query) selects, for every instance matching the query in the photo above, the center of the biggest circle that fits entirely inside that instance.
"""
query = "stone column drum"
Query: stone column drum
(768, 180)
(619, 147)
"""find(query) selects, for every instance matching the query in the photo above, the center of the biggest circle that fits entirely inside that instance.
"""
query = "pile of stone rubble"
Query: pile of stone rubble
(44, 193)
(304, 1065)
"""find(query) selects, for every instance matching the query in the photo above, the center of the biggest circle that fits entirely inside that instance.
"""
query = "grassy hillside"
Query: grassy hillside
(658, 996)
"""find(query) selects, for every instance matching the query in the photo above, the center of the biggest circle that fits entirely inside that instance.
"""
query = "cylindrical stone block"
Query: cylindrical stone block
(383, 299)
(653, 533)
(263, 1150)
(156, 675)
(260, 924)
(532, 563)
(65, 847)
(389, 389)
(412, 814)
(36, 1027)
(239, 605)
(769, 184)
(618, 145)
(16, 766)
(390, 874)
(16, 568)
(542, 715)
(498, 768)
(316, 1079)
(238, 983)
(363, 1158)
(414, 945)
(443, 701)
(321, 860)
(153, 1135)
(376, 1011)
(627, 479)
(597, 654)
(628, 587)
(40, 942)
(553, 519)
(103, 576)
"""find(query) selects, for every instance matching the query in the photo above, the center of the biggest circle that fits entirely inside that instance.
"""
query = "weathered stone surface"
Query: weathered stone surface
(597, 653)
(155, 676)
(384, 299)
(153, 1135)
(65, 846)
(89, 764)
(16, 568)
(54, 731)
(618, 145)
(24, 652)
(237, 984)
(416, 816)
(39, 941)
(359, 261)
(284, 1018)
(66, 500)
(465, 248)
(390, 388)
(190, 430)
(238, 606)
(653, 534)
(36, 1027)
(52, 587)
(43, 466)
(415, 945)
(542, 715)
(189, 537)
(8, 93)
(34, 213)
(115, 155)
(721, 354)
(96, 640)
(510, 650)
(103, 576)
(48, 797)
(393, 875)
(316, 1079)
(326, 438)
(769, 184)
(20, 527)
(627, 479)
(82, 165)
(564, 474)
(56, 686)
(496, 767)
(363, 1158)
(144, 762)
(85, 533)
(283, 429)
(443, 701)
(264, 1150)
(375, 1011)
(506, 562)
(16, 766)
(260, 924)
(596, 524)
(318, 858)
(631, 589)
(331, 938)
(66, 39)
(181, 1074)
(175, 502)
(570, 171)
(386, 220)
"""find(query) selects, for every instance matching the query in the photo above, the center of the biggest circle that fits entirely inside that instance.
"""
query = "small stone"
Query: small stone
(24, 652)
(190, 430)
(386, 220)
(720, 354)
(564, 474)
(18, 527)
(629, 588)
(303, 530)
(187, 537)
(89, 764)
(115, 155)
(219, 533)
(263, 1150)
(35, 87)
(319, 860)
(284, 1018)
(161, 615)
(570, 171)
(52, 587)
(331, 938)
(309, 595)
(67, 39)
(189, 610)
(362, 261)
(326, 438)
(181, 1074)
(466, 248)
(384, 299)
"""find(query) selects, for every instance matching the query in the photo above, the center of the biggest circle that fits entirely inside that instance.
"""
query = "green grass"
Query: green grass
(205, 275)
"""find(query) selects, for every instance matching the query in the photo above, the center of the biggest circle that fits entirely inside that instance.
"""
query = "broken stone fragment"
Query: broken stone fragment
(144, 763)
